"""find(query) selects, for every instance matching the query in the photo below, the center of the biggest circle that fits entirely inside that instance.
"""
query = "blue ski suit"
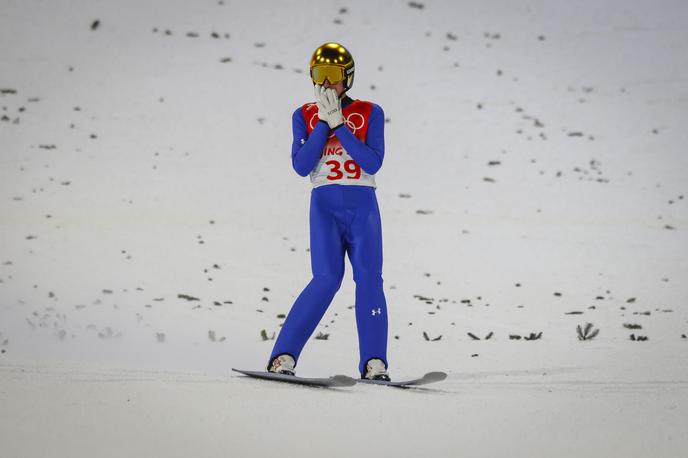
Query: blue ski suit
(344, 218)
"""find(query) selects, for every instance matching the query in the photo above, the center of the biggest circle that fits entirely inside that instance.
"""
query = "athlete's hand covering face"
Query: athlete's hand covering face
(329, 106)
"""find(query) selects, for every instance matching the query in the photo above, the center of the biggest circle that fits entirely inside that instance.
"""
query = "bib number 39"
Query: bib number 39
(352, 169)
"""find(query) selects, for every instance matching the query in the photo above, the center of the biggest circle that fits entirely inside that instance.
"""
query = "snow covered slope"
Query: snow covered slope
(535, 179)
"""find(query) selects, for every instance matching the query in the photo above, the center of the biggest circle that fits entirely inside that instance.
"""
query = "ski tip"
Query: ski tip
(438, 375)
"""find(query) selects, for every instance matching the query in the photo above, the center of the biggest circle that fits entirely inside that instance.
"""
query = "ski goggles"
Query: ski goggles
(332, 73)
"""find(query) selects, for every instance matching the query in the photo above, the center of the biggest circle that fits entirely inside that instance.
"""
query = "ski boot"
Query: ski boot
(376, 370)
(282, 364)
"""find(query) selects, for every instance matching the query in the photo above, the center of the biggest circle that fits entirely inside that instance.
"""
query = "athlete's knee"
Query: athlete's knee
(368, 278)
(331, 282)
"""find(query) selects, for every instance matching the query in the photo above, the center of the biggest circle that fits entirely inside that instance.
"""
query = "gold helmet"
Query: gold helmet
(333, 62)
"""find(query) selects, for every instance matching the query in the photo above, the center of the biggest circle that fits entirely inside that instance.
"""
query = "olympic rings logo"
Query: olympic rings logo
(351, 124)
(348, 120)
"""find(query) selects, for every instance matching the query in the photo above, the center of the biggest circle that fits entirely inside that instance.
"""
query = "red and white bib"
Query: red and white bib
(335, 165)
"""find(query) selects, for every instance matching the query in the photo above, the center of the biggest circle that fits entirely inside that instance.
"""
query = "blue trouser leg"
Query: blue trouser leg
(342, 219)
(327, 265)
(364, 246)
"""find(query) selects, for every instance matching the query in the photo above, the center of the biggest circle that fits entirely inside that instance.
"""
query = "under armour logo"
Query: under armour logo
(303, 140)
(376, 312)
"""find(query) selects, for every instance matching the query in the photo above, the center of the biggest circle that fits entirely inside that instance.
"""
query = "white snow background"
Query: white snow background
(535, 179)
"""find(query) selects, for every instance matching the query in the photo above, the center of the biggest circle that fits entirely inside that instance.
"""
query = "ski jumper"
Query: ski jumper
(344, 218)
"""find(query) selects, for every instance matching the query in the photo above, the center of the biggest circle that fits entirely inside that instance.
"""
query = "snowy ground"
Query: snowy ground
(151, 227)
(554, 411)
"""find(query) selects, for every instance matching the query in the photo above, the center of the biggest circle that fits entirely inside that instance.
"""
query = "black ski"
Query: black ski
(430, 377)
(329, 382)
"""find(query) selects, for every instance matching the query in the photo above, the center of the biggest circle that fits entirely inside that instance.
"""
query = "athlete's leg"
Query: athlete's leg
(327, 264)
(364, 242)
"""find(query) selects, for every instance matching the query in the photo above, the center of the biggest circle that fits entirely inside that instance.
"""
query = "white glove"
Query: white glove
(329, 106)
